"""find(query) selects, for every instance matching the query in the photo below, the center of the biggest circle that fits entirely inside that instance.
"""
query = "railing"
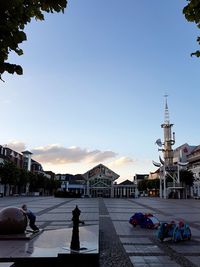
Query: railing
(171, 184)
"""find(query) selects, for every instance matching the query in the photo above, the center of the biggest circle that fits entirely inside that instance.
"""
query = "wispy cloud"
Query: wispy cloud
(121, 161)
(58, 154)
(16, 145)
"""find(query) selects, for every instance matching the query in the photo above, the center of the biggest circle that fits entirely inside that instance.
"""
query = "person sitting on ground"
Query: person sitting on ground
(31, 216)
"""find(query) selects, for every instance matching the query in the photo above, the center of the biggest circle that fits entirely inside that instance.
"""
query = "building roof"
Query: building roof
(181, 146)
(141, 176)
(101, 170)
(27, 152)
(126, 182)
(196, 149)
(186, 149)
(156, 171)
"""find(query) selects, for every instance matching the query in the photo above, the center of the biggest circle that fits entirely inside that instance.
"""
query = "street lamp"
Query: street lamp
(159, 166)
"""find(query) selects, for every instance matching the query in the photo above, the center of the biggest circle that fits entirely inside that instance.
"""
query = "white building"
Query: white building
(194, 166)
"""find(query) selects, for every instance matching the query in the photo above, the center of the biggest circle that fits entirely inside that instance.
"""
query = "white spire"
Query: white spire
(166, 110)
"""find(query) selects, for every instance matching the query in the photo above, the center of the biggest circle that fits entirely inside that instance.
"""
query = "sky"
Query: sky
(94, 83)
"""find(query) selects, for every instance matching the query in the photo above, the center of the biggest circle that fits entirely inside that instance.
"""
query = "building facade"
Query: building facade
(194, 166)
(22, 161)
(100, 181)
(74, 184)
(125, 189)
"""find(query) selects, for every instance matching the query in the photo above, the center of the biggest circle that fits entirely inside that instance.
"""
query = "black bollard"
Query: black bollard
(75, 243)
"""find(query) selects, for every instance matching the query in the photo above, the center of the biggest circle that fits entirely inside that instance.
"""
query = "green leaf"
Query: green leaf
(14, 15)
(197, 54)
(19, 70)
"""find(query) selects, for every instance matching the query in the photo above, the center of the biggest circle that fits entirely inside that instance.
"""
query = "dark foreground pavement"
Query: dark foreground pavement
(120, 243)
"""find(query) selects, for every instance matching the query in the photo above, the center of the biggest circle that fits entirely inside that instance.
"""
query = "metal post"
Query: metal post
(164, 178)
(160, 183)
(178, 180)
(178, 174)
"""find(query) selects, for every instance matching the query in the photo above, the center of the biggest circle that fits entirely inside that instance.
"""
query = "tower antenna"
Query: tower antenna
(166, 116)
(168, 139)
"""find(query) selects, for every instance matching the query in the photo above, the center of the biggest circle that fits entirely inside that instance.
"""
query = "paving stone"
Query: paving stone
(135, 240)
(195, 260)
(186, 248)
(6, 264)
(158, 261)
(144, 249)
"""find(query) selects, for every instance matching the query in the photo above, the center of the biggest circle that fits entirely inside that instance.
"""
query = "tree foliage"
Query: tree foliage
(14, 16)
(192, 14)
(186, 177)
(11, 175)
(148, 184)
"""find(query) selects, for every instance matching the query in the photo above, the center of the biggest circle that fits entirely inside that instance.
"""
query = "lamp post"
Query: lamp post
(159, 166)
(164, 174)
(180, 164)
(164, 178)
(162, 167)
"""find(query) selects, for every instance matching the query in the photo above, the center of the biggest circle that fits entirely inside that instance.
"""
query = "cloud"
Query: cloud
(16, 145)
(57, 154)
(121, 161)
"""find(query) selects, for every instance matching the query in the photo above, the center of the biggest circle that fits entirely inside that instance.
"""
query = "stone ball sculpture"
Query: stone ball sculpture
(12, 221)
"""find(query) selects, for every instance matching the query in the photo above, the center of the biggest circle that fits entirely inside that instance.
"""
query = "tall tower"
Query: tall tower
(27, 160)
(169, 140)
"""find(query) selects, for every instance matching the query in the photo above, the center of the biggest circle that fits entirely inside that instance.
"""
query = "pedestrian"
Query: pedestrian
(31, 216)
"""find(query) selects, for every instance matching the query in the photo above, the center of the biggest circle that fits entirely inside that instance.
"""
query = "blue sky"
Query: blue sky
(93, 86)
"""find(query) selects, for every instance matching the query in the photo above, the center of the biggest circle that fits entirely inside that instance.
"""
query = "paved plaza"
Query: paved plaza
(120, 243)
